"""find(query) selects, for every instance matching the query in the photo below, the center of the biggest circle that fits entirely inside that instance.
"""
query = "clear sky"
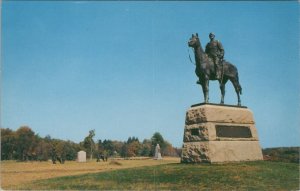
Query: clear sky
(122, 68)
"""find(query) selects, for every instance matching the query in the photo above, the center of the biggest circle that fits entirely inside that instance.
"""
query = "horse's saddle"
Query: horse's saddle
(211, 60)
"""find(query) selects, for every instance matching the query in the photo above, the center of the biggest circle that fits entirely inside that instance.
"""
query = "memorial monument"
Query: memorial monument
(217, 133)
(157, 155)
(81, 156)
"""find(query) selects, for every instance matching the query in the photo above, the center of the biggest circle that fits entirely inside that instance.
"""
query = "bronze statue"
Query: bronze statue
(215, 51)
(205, 70)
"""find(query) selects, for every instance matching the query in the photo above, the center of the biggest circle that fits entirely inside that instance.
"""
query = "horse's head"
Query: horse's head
(194, 41)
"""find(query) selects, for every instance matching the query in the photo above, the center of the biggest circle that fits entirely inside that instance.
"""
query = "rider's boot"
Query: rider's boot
(218, 71)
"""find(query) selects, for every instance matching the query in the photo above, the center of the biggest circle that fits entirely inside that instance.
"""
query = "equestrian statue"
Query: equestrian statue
(210, 65)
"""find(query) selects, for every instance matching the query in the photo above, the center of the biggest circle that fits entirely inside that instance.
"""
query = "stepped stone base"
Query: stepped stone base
(216, 134)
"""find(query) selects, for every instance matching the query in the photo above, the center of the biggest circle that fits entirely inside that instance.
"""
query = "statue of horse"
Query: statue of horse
(205, 71)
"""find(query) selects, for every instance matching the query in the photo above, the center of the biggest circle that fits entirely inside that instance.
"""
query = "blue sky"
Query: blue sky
(122, 68)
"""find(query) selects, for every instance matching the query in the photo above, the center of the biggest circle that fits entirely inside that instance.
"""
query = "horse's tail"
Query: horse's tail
(235, 76)
(231, 72)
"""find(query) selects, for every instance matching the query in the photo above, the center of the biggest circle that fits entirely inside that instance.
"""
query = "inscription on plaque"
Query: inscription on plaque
(233, 131)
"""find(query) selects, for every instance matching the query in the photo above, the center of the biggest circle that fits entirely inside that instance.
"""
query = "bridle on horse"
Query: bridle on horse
(190, 57)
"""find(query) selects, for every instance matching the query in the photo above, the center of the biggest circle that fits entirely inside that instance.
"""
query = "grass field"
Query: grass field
(171, 175)
(14, 175)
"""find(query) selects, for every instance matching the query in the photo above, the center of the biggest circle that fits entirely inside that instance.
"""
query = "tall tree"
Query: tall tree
(157, 138)
(108, 147)
(58, 150)
(8, 143)
(43, 150)
(89, 143)
(26, 142)
(146, 147)
(132, 139)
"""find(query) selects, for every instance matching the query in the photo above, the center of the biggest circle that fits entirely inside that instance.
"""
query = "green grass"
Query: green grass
(237, 176)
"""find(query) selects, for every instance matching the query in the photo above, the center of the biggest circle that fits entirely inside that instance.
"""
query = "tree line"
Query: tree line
(24, 144)
(282, 154)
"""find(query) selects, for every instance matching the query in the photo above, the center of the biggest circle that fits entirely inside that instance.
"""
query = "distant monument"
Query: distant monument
(217, 133)
(81, 156)
(157, 155)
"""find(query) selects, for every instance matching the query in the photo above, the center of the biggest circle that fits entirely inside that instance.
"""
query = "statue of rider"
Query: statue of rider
(215, 51)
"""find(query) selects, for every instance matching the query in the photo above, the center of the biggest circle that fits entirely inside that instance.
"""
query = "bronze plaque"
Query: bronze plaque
(233, 131)
(195, 132)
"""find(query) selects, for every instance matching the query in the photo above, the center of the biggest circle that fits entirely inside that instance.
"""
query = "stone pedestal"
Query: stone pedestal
(220, 133)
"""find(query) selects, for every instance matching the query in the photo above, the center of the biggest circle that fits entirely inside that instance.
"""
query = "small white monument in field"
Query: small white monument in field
(157, 155)
(81, 156)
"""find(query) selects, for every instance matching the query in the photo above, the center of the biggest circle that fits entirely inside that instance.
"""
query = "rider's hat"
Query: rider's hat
(211, 34)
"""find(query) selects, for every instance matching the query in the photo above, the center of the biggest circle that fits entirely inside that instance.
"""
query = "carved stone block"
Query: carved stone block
(221, 114)
(216, 133)
(195, 152)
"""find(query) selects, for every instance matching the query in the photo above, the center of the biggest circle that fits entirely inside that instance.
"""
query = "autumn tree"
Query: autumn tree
(63, 150)
(169, 150)
(43, 150)
(133, 147)
(117, 147)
